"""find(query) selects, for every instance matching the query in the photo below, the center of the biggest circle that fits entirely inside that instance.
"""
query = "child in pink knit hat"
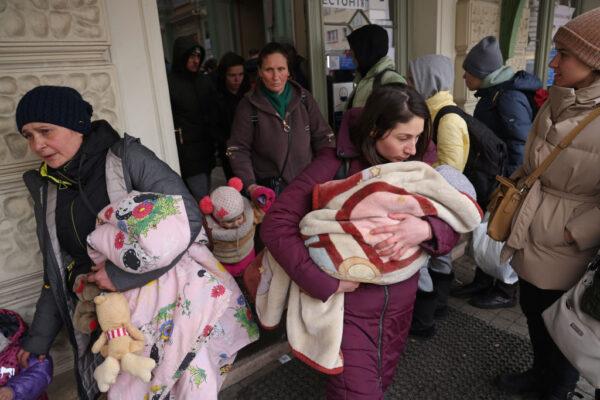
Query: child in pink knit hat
(231, 220)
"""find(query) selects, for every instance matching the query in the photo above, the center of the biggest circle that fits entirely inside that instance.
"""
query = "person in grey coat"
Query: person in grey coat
(85, 166)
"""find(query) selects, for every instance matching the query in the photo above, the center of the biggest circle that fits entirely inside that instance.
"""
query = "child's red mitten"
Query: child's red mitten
(263, 197)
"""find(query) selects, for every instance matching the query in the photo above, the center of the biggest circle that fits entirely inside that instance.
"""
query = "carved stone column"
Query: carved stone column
(519, 59)
(476, 19)
(43, 42)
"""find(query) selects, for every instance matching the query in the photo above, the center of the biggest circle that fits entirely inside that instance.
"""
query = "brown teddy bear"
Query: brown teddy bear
(84, 316)
(118, 342)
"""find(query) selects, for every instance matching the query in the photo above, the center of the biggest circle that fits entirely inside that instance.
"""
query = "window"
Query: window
(332, 36)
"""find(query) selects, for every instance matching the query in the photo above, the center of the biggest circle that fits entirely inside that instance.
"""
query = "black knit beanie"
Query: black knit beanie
(58, 105)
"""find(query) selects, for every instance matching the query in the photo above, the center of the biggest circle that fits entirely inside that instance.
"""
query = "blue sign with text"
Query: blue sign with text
(346, 62)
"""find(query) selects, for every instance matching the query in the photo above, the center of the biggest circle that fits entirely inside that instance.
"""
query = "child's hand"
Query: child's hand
(6, 393)
(347, 286)
(101, 278)
(262, 196)
(23, 357)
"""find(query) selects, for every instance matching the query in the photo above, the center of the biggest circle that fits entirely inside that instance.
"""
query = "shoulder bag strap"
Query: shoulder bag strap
(288, 130)
(562, 145)
(289, 145)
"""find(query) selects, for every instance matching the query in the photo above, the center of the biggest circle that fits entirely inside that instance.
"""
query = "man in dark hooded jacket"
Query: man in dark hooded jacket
(189, 91)
(506, 107)
(370, 45)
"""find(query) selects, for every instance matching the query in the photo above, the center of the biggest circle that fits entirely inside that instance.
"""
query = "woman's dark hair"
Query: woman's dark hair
(229, 59)
(272, 48)
(387, 106)
(210, 65)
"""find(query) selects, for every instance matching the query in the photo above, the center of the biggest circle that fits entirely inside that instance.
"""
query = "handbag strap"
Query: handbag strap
(560, 147)
(288, 129)
(289, 145)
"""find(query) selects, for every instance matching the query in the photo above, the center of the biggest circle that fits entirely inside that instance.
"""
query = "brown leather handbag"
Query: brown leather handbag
(508, 197)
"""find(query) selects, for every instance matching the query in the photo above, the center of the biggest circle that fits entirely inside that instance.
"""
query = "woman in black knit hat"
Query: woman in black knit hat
(85, 166)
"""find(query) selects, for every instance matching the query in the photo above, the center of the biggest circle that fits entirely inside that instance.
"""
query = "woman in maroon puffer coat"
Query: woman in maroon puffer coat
(393, 126)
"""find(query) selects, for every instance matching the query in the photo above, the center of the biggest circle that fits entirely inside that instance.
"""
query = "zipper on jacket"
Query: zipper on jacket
(386, 296)
(75, 227)
(286, 126)
(230, 151)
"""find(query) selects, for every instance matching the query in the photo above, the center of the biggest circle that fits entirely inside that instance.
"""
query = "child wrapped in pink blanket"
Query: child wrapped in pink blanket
(337, 232)
(194, 317)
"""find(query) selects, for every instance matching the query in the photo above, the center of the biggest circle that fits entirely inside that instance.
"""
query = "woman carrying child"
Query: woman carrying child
(87, 166)
(394, 126)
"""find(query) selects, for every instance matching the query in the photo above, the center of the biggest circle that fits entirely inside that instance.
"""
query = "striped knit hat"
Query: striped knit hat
(581, 36)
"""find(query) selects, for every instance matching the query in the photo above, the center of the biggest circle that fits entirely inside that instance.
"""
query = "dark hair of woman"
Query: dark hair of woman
(387, 106)
(229, 59)
(272, 48)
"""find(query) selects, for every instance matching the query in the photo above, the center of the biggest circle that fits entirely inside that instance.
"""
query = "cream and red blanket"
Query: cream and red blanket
(337, 232)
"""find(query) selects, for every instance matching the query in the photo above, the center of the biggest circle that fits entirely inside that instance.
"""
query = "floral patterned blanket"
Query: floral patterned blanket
(194, 316)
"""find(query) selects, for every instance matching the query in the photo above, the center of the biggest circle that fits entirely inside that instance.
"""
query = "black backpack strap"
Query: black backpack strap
(496, 97)
(379, 76)
(451, 109)
(254, 116)
(342, 172)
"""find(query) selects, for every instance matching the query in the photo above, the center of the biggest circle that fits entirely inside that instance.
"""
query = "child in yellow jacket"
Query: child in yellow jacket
(433, 77)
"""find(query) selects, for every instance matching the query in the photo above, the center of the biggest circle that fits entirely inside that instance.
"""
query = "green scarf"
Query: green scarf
(279, 101)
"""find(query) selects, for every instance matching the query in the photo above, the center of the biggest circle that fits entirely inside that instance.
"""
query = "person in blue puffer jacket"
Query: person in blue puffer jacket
(506, 105)
(16, 382)
(505, 97)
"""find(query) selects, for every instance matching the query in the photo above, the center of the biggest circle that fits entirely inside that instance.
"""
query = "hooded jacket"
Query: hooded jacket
(190, 96)
(569, 197)
(369, 44)
(506, 110)
(433, 77)
(257, 150)
(370, 47)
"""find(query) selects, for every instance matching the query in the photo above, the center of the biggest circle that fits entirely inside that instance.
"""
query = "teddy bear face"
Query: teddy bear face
(112, 310)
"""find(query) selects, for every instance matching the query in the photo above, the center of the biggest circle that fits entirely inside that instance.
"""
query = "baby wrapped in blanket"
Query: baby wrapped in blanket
(193, 316)
(337, 232)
